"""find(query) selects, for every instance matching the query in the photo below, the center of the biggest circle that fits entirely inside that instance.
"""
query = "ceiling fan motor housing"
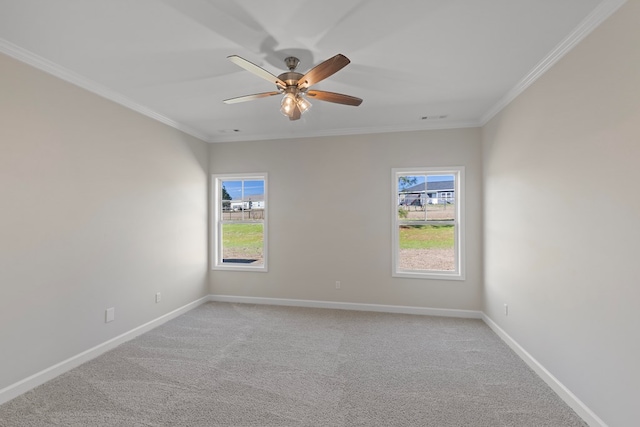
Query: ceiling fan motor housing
(290, 78)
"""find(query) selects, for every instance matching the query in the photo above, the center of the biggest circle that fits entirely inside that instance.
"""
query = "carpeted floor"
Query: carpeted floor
(252, 365)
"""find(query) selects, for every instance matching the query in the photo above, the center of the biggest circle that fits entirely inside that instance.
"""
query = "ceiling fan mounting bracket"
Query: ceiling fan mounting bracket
(291, 62)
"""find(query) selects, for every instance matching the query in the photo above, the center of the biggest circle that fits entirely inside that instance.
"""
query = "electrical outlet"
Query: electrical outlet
(506, 310)
(109, 315)
(158, 297)
(338, 284)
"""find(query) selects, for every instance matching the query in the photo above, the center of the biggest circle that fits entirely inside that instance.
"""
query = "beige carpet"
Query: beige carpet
(249, 365)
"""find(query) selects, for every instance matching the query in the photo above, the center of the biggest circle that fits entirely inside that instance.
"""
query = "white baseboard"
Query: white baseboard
(467, 314)
(48, 374)
(565, 394)
(16, 389)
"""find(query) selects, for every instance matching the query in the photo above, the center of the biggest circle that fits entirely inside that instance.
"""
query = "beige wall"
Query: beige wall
(562, 219)
(330, 217)
(102, 207)
(99, 207)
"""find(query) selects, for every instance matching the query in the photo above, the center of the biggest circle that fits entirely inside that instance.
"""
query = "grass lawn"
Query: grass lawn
(426, 236)
(247, 236)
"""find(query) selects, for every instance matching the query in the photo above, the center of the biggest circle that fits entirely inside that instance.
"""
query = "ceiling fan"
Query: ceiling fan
(295, 86)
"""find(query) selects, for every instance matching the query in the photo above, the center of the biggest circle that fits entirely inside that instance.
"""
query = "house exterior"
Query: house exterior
(253, 202)
(438, 192)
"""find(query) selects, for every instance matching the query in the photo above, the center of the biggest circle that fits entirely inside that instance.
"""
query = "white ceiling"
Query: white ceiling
(463, 59)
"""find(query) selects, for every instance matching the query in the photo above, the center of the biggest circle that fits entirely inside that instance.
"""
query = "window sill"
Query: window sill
(429, 275)
(261, 269)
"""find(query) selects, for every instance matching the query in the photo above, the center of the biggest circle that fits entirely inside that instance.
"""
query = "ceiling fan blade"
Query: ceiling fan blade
(249, 97)
(323, 70)
(258, 71)
(338, 98)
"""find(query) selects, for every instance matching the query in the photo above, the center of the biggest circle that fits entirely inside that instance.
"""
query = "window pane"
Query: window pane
(411, 196)
(427, 247)
(253, 201)
(233, 189)
(240, 197)
(441, 197)
(229, 190)
(443, 211)
(243, 244)
(253, 188)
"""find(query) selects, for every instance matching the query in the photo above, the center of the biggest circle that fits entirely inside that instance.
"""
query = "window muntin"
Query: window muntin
(427, 223)
(240, 226)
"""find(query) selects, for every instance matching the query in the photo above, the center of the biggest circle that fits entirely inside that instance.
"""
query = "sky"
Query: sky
(433, 178)
(430, 178)
(251, 188)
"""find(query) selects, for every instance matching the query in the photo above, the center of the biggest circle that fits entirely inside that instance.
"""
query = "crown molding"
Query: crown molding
(346, 132)
(76, 79)
(592, 21)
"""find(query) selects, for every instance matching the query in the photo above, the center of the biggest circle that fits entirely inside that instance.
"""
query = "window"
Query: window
(240, 222)
(428, 238)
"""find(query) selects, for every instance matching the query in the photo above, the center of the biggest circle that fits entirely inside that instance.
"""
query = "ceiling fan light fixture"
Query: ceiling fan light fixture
(292, 101)
(303, 104)
(288, 104)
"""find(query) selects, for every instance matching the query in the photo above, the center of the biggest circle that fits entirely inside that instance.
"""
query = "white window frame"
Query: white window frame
(459, 223)
(217, 221)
